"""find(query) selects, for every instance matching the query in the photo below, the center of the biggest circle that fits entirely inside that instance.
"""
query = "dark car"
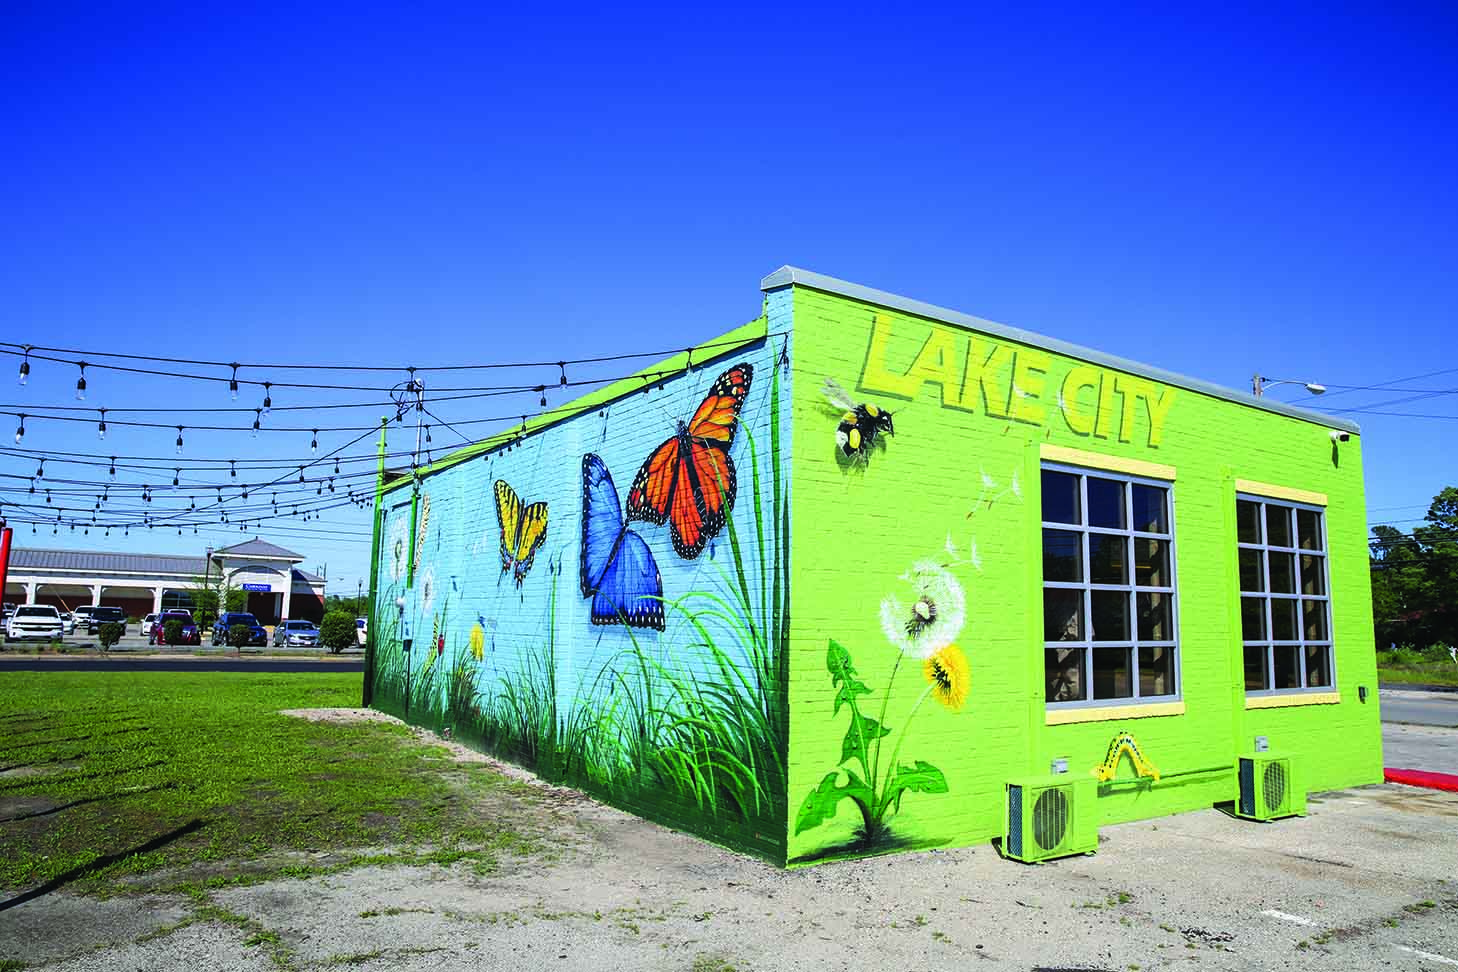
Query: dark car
(191, 635)
(256, 634)
(101, 615)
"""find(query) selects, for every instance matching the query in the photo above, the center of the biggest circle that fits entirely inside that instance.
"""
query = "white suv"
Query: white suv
(35, 621)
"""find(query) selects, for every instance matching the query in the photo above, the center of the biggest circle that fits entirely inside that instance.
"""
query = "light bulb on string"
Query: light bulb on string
(112, 470)
(314, 442)
(267, 398)
(81, 382)
(563, 366)
(175, 474)
(233, 468)
(233, 383)
(40, 470)
(25, 367)
(20, 432)
(179, 440)
(101, 425)
(301, 474)
(336, 467)
(257, 413)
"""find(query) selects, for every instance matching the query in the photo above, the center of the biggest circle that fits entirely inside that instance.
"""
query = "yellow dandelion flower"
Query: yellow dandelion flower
(478, 642)
(950, 676)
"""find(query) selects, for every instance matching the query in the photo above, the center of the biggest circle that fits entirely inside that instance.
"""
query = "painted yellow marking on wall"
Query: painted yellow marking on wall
(979, 375)
(1124, 743)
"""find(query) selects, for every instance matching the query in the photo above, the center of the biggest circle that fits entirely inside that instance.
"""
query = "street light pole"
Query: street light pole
(1259, 384)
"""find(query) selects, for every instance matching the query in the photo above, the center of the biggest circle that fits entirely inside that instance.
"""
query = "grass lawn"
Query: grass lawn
(105, 776)
(1433, 666)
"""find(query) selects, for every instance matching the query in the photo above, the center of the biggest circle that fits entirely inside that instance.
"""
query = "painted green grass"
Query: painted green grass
(94, 765)
(703, 753)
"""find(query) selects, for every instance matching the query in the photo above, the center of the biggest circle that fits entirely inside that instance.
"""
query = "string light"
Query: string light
(40, 470)
(267, 398)
(175, 474)
(113, 466)
(233, 468)
(81, 382)
(25, 367)
(563, 366)
(314, 442)
(233, 383)
(20, 431)
(101, 425)
(179, 440)
(257, 414)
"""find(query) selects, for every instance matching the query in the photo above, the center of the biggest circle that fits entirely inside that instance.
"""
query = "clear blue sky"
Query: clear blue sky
(1219, 194)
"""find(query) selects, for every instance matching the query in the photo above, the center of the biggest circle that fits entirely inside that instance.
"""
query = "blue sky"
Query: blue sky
(1218, 194)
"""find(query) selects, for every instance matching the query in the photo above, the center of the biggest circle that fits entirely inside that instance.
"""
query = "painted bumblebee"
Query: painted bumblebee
(860, 424)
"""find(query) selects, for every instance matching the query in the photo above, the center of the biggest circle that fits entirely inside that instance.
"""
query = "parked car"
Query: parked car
(34, 621)
(191, 635)
(68, 620)
(361, 631)
(296, 634)
(83, 614)
(102, 614)
(147, 624)
(8, 611)
(256, 634)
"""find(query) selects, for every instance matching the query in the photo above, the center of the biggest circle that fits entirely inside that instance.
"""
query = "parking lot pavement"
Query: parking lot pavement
(1431, 707)
(1430, 748)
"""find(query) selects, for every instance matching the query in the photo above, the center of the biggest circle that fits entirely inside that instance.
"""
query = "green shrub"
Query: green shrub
(109, 634)
(172, 631)
(238, 635)
(336, 632)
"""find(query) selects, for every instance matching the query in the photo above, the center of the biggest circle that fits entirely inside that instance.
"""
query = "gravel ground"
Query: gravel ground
(1366, 881)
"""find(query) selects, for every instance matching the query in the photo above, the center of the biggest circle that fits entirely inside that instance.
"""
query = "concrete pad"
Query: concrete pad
(58, 925)
(1420, 747)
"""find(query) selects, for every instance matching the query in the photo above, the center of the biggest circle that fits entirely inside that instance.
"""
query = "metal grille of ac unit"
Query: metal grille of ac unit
(1273, 786)
(1015, 820)
(1050, 818)
(1247, 787)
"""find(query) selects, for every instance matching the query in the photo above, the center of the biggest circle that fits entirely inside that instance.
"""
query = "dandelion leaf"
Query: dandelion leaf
(859, 736)
(843, 677)
(820, 803)
(921, 777)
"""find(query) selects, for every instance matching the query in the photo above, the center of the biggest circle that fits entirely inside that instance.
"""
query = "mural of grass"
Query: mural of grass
(700, 744)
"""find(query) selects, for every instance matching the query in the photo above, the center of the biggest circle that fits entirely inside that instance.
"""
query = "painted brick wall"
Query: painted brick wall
(960, 488)
(684, 725)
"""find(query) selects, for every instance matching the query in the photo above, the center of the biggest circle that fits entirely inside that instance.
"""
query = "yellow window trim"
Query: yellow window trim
(1097, 460)
(1300, 698)
(1063, 717)
(1280, 492)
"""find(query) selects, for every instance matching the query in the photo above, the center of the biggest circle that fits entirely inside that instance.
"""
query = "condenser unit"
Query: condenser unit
(1268, 788)
(1050, 816)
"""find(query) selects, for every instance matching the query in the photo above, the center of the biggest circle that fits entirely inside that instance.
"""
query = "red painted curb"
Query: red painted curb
(1433, 781)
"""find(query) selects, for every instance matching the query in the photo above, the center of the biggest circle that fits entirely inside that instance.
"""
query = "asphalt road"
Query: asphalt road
(1422, 707)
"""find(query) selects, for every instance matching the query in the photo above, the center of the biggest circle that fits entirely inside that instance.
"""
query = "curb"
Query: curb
(1412, 777)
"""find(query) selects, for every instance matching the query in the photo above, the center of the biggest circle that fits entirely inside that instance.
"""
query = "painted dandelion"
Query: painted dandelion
(931, 616)
(399, 542)
(949, 675)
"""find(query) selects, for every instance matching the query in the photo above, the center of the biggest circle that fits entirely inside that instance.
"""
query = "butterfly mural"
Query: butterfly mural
(688, 481)
(522, 530)
(617, 570)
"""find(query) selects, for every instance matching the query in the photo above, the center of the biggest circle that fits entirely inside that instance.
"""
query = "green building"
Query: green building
(866, 574)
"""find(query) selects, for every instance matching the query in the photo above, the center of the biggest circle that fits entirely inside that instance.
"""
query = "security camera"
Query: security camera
(1340, 436)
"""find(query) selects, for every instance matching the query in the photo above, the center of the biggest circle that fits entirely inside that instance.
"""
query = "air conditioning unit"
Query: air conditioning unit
(1050, 816)
(1268, 789)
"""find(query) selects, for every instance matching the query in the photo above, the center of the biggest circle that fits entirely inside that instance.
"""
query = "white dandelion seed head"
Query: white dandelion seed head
(987, 480)
(951, 547)
(1017, 490)
(925, 581)
(399, 549)
(427, 589)
(974, 557)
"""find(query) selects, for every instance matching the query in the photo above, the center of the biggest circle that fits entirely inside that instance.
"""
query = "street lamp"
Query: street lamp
(1259, 384)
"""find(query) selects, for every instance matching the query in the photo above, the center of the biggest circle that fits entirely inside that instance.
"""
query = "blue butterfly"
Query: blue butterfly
(617, 569)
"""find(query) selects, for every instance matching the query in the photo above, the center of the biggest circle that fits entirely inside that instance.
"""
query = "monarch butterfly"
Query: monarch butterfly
(522, 530)
(689, 480)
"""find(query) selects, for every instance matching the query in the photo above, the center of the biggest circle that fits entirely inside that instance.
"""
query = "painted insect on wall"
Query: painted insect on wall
(860, 425)
(522, 530)
(616, 568)
(688, 481)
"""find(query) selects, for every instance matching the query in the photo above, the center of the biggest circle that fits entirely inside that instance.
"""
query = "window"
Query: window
(1108, 588)
(1285, 609)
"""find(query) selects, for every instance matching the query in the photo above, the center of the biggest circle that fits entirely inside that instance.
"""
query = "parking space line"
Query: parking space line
(1294, 919)
(1428, 956)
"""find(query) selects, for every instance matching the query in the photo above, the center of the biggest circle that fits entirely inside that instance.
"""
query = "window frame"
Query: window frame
(1133, 643)
(1267, 596)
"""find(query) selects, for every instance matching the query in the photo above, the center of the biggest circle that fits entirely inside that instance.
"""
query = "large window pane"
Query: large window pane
(1155, 620)
(1283, 572)
(1318, 667)
(1308, 529)
(1063, 669)
(1151, 562)
(1247, 521)
(1062, 556)
(1106, 503)
(1283, 619)
(1062, 614)
(1252, 619)
(1287, 666)
(1113, 675)
(1156, 670)
(1313, 620)
(1108, 559)
(1110, 616)
(1278, 526)
(1252, 570)
(1313, 574)
(1255, 668)
(1060, 498)
(1149, 514)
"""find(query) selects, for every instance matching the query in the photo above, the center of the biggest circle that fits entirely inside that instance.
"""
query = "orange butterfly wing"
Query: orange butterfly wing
(689, 480)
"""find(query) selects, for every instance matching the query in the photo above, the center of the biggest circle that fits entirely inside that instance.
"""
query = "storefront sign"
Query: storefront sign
(258, 587)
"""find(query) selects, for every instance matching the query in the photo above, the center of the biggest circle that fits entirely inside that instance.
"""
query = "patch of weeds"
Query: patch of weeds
(1303, 944)
(1124, 897)
(11, 965)
(390, 912)
(712, 963)
(265, 937)
(357, 958)
(920, 921)
(1419, 907)
(938, 936)
(1390, 922)
(1169, 928)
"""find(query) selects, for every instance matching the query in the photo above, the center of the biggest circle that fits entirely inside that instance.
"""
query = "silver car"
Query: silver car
(296, 634)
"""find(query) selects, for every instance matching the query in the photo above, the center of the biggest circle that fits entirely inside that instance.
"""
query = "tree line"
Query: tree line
(1415, 578)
